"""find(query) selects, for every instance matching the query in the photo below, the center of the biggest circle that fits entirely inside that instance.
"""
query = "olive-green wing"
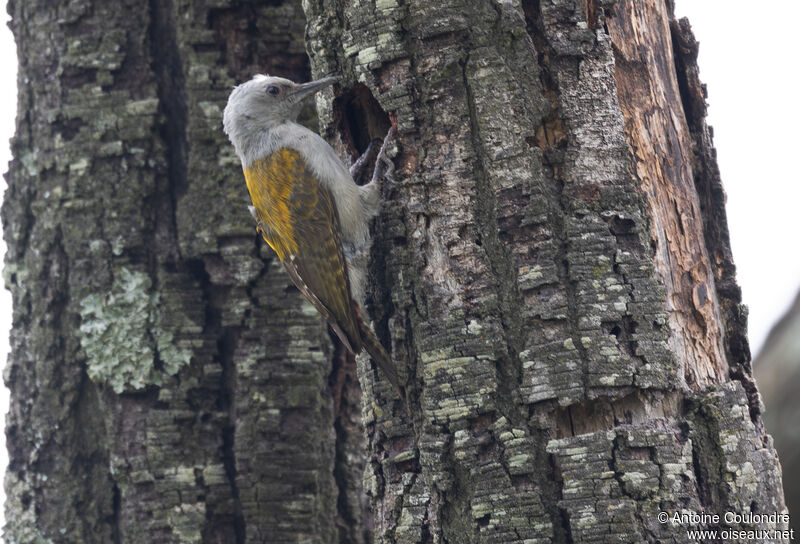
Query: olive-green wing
(298, 218)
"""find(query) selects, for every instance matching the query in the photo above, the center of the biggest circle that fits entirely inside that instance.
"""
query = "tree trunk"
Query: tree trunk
(168, 382)
(551, 273)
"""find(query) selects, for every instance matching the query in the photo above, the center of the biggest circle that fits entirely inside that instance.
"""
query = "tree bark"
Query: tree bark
(168, 383)
(551, 273)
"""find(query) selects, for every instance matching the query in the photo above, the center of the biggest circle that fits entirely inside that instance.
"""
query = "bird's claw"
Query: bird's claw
(382, 162)
(357, 167)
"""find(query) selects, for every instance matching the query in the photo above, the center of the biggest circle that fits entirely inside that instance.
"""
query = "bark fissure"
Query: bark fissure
(168, 71)
(552, 140)
(116, 531)
(226, 349)
(705, 462)
(224, 340)
(351, 514)
(510, 308)
(508, 363)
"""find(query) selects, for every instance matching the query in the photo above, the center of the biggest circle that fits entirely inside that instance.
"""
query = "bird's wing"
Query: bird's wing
(298, 219)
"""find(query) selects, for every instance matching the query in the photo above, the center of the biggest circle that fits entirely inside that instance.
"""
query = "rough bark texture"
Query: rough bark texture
(551, 273)
(168, 383)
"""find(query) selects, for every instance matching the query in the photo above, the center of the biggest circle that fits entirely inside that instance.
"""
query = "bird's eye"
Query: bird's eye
(273, 90)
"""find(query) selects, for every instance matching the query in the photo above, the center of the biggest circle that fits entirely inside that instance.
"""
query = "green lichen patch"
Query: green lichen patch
(122, 336)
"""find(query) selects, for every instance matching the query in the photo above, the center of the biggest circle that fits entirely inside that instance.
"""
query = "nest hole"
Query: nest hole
(361, 119)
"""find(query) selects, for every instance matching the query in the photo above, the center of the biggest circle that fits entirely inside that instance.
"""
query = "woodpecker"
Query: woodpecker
(306, 205)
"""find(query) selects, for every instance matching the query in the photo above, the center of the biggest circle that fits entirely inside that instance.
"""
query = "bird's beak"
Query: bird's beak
(308, 89)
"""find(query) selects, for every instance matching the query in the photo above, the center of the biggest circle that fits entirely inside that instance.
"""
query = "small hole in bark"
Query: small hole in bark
(291, 289)
(624, 230)
(620, 225)
(361, 119)
(70, 128)
(624, 331)
(407, 466)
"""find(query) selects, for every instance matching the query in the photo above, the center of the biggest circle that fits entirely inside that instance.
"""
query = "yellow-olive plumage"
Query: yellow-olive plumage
(297, 218)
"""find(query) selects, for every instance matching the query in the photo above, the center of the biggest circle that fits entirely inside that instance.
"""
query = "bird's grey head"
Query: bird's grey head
(264, 102)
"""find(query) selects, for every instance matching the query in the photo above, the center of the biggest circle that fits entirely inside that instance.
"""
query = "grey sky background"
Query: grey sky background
(749, 60)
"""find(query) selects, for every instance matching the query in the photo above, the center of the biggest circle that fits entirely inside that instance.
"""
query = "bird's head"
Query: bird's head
(265, 102)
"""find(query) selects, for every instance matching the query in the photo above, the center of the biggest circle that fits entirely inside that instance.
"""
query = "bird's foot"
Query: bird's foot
(384, 167)
(357, 167)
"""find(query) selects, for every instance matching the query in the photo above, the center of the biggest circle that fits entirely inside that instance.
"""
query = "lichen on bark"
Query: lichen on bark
(123, 337)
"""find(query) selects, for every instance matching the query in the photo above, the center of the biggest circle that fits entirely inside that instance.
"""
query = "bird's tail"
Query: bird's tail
(378, 354)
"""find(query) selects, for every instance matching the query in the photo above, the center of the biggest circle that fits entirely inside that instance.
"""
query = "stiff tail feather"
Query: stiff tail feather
(378, 354)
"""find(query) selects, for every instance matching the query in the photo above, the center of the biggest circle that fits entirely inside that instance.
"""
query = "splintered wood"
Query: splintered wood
(658, 135)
